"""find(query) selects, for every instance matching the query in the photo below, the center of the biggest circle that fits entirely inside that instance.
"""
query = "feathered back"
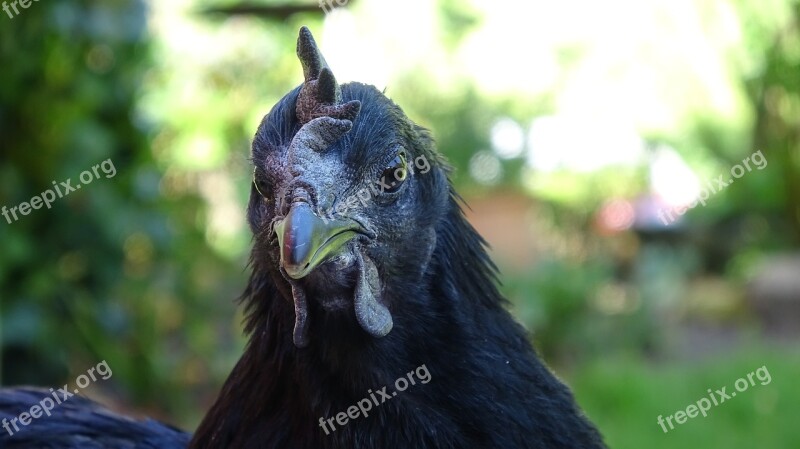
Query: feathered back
(78, 423)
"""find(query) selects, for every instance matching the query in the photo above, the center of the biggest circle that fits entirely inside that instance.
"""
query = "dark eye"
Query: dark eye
(395, 174)
(260, 183)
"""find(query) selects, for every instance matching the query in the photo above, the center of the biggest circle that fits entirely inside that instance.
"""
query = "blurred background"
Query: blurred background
(581, 133)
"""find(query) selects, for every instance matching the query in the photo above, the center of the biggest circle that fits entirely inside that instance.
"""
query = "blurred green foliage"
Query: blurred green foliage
(625, 398)
(119, 270)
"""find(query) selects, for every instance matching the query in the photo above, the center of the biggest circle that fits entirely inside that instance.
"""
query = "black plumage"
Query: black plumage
(346, 296)
(78, 423)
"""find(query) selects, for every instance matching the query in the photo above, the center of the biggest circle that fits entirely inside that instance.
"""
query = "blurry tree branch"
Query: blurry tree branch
(272, 12)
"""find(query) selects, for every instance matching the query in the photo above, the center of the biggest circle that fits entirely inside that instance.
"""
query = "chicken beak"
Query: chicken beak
(306, 240)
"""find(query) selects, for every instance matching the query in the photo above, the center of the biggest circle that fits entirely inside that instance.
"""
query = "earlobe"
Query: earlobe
(426, 240)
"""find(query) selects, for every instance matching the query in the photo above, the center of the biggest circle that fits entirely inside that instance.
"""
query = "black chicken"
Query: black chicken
(364, 273)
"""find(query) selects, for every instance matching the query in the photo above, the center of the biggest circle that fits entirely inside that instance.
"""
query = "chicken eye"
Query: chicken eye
(259, 183)
(395, 174)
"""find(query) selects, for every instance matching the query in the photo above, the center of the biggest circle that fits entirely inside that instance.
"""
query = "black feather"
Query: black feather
(79, 423)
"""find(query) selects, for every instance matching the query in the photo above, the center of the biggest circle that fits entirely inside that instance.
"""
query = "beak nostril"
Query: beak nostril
(299, 193)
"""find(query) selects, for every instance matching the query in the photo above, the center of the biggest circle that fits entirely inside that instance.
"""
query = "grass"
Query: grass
(624, 397)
